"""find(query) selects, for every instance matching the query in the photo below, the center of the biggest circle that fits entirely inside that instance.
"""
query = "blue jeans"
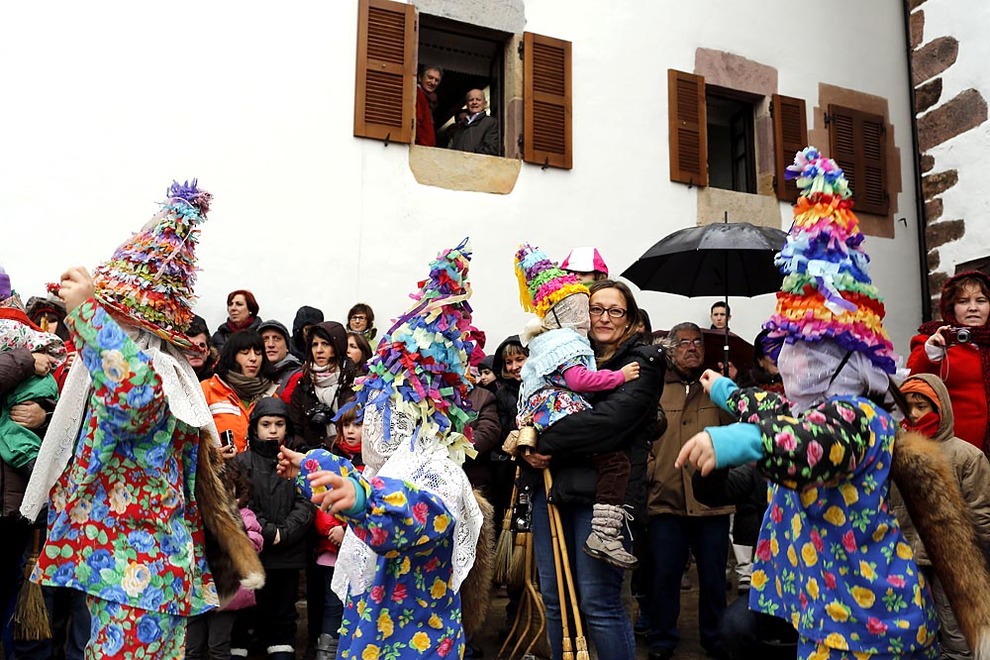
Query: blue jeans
(599, 585)
(671, 537)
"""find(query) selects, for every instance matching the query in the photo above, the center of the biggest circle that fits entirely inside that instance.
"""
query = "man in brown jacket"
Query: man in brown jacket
(677, 522)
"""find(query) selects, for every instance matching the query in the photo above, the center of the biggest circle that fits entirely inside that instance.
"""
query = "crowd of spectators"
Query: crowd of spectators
(264, 383)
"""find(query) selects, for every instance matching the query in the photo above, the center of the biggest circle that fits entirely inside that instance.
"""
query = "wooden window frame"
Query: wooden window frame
(857, 141)
(790, 135)
(547, 99)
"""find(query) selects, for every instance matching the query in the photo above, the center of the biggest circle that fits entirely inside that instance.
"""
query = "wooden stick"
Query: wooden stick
(579, 640)
(559, 551)
(541, 609)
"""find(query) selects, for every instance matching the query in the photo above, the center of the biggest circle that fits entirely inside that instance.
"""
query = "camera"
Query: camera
(522, 512)
(227, 438)
(958, 335)
(319, 415)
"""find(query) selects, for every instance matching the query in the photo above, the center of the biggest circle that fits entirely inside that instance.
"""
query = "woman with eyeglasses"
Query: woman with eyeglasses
(623, 419)
(361, 319)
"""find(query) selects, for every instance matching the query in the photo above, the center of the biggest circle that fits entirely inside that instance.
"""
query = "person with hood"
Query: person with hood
(129, 467)
(831, 557)
(48, 313)
(243, 376)
(286, 518)
(284, 363)
(319, 389)
(242, 314)
(957, 350)
(306, 317)
(507, 363)
(930, 414)
(413, 520)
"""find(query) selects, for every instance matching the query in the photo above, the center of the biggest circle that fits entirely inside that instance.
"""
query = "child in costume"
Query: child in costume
(831, 557)
(560, 368)
(413, 521)
(330, 533)
(209, 635)
(930, 418)
(126, 517)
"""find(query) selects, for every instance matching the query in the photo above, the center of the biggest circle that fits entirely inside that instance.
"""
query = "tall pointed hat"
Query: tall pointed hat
(542, 284)
(827, 292)
(149, 279)
(421, 364)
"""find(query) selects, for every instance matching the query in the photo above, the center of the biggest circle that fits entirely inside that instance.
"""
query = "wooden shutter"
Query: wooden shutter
(858, 143)
(688, 120)
(790, 135)
(385, 94)
(546, 101)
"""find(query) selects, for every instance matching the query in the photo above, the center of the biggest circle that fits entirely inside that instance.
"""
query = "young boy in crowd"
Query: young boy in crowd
(930, 414)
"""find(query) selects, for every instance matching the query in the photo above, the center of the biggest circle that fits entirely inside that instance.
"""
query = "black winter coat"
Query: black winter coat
(279, 507)
(623, 419)
(743, 486)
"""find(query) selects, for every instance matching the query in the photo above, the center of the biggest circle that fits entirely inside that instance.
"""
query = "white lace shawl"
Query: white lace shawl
(182, 391)
(428, 466)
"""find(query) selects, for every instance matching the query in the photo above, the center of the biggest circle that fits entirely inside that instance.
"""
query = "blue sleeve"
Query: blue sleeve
(735, 444)
(360, 498)
(721, 390)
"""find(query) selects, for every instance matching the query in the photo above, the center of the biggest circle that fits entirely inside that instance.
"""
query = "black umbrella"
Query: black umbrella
(726, 259)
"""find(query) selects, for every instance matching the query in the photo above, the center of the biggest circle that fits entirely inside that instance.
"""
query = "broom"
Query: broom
(503, 548)
(31, 616)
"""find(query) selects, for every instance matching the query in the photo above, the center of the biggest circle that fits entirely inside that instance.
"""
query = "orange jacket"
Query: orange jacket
(229, 412)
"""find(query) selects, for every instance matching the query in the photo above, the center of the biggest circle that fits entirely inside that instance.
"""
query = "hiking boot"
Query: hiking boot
(326, 647)
(605, 540)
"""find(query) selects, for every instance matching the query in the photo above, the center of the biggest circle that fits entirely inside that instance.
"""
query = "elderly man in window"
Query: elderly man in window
(476, 131)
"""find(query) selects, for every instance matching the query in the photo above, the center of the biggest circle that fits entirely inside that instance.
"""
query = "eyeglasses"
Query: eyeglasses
(684, 343)
(359, 317)
(614, 312)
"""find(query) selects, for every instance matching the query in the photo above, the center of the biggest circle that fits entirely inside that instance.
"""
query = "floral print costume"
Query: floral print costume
(831, 557)
(123, 524)
(410, 611)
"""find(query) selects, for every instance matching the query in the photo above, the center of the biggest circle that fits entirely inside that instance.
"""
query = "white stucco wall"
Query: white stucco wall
(110, 101)
(969, 153)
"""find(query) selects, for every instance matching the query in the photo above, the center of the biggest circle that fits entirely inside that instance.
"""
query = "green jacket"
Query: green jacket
(18, 445)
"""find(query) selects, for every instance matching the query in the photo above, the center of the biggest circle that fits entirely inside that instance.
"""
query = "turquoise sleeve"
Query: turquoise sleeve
(360, 497)
(735, 444)
(721, 390)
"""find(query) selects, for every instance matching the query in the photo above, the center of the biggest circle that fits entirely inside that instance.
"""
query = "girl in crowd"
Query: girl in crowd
(242, 314)
(242, 377)
(957, 349)
(359, 351)
(316, 393)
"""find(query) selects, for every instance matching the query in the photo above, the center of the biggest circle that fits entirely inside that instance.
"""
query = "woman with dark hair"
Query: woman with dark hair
(242, 314)
(359, 351)
(316, 393)
(957, 349)
(361, 318)
(242, 377)
(622, 419)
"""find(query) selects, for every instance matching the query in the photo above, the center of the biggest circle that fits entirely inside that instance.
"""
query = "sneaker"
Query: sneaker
(326, 647)
(609, 550)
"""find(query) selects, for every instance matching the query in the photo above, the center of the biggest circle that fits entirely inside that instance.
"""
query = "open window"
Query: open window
(731, 149)
(394, 39)
(715, 133)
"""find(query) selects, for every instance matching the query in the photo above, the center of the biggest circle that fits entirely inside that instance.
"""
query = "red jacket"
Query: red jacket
(962, 372)
(425, 135)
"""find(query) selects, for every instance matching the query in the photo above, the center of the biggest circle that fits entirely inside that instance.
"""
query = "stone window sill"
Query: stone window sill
(459, 170)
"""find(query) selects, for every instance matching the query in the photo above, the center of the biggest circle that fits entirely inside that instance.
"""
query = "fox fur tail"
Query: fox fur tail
(930, 490)
(229, 553)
